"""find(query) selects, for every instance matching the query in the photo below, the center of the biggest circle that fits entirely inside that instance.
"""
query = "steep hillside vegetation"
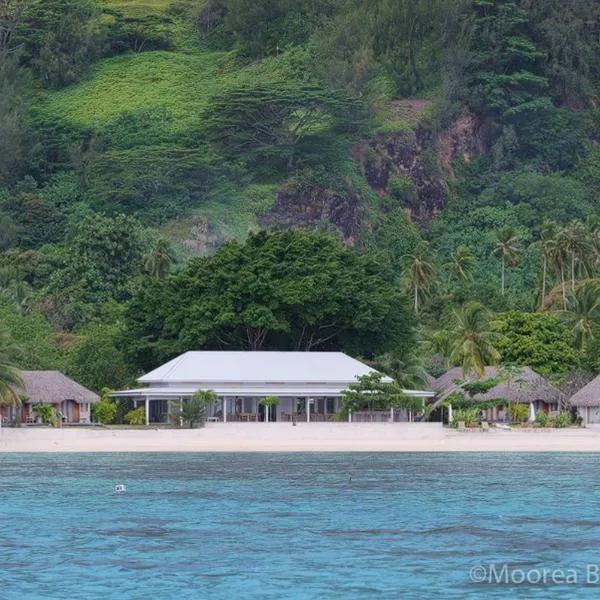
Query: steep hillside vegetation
(456, 139)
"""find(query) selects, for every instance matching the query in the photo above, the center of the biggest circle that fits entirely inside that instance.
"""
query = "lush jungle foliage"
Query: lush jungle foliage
(444, 155)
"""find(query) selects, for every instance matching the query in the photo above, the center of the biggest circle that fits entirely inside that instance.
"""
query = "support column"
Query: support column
(224, 409)
(147, 410)
(180, 410)
(391, 414)
(307, 402)
(349, 416)
(450, 417)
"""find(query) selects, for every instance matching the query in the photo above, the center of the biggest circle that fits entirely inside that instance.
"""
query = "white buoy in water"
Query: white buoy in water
(120, 488)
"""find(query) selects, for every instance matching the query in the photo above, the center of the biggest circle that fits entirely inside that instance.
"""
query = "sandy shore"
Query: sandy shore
(283, 437)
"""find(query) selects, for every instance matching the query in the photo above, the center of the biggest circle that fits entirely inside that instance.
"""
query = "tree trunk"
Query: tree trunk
(564, 291)
(502, 281)
(416, 303)
(544, 268)
(573, 271)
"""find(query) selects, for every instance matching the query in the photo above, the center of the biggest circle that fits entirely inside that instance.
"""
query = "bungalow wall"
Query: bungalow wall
(589, 414)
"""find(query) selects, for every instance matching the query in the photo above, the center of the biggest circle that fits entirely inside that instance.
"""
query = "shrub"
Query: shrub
(47, 413)
(466, 415)
(562, 420)
(541, 418)
(518, 412)
(136, 416)
(105, 410)
(402, 188)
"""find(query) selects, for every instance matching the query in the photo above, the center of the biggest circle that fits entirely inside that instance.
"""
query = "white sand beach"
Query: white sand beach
(313, 437)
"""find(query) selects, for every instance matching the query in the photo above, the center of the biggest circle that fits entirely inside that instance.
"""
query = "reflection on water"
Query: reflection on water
(292, 525)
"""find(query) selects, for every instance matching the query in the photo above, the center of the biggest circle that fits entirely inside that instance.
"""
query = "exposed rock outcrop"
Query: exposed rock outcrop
(311, 205)
(462, 139)
(402, 153)
(423, 163)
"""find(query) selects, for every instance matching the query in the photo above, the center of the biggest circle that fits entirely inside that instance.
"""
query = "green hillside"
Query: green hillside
(454, 141)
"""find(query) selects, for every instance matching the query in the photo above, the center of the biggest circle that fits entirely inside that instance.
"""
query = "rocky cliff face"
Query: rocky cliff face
(399, 157)
(407, 166)
(413, 169)
(312, 206)
(463, 139)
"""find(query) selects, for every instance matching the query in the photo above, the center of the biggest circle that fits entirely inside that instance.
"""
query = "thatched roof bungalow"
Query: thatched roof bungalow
(525, 386)
(587, 402)
(71, 399)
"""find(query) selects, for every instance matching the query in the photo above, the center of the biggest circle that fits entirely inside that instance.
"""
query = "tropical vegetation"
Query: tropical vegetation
(415, 183)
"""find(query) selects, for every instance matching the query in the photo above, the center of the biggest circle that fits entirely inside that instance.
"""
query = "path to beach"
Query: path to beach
(284, 437)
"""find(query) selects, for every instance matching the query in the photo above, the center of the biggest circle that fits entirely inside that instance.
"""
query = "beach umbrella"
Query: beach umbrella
(531, 412)
(450, 419)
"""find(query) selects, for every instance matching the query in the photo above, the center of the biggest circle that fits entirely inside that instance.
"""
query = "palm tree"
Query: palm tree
(507, 247)
(584, 313)
(461, 264)
(559, 259)
(575, 241)
(420, 273)
(472, 339)
(193, 411)
(159, 259)
(548, 244)
(10, 380)
(407, 371)
(592, 225)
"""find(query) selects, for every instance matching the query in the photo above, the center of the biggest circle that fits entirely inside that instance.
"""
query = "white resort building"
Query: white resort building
(309, 385)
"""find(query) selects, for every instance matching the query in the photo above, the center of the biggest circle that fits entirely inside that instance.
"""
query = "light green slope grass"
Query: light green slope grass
(140, 8)
(176, 83)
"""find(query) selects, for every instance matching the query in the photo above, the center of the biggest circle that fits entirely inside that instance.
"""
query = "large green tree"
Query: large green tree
(537, 340)
(101, 257)
(291, 290)
(271, 123)
(60, 39)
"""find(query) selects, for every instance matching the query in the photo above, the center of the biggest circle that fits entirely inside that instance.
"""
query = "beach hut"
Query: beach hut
(309, 385)
(523, 386)
(71, 400)
(587, 402)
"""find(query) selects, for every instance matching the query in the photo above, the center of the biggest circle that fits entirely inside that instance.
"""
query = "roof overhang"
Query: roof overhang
(163, 392)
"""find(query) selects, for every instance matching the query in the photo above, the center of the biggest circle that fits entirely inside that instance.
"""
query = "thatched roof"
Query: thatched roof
(52, 387)
(524, 386)
(431, 380)
(588, 395)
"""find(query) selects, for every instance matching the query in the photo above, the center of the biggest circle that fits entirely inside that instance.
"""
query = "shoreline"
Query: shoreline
(313, 437)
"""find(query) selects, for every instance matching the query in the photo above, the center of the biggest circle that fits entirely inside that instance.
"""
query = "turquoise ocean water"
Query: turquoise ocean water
(321, 526)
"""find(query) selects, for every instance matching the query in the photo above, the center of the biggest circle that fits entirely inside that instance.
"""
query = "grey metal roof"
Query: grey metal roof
(51, 387)
(206, 367)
